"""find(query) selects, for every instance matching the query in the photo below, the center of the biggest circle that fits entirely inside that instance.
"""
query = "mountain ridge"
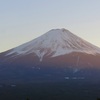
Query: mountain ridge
(55, 42)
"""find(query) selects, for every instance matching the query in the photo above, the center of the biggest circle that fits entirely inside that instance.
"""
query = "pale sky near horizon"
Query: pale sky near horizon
(24, 20)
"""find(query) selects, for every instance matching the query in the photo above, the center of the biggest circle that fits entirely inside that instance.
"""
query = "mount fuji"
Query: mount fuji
(58, 55)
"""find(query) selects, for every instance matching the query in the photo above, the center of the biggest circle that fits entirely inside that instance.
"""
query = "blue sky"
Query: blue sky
(24, 20)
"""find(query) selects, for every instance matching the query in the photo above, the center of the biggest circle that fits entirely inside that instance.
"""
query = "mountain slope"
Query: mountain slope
(56, 55)
(56, 42)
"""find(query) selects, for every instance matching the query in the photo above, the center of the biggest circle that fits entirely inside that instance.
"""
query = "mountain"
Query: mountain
(58, 55)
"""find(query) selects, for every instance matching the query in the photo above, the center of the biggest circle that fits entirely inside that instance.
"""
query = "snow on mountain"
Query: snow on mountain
(56, 42)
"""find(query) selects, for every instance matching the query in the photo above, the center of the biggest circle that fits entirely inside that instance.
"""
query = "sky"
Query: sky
(24, 20)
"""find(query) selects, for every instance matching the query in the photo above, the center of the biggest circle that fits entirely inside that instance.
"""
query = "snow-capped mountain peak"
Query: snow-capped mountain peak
(55, 42)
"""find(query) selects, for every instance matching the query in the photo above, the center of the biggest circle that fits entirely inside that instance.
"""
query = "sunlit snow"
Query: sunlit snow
(56, 42)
